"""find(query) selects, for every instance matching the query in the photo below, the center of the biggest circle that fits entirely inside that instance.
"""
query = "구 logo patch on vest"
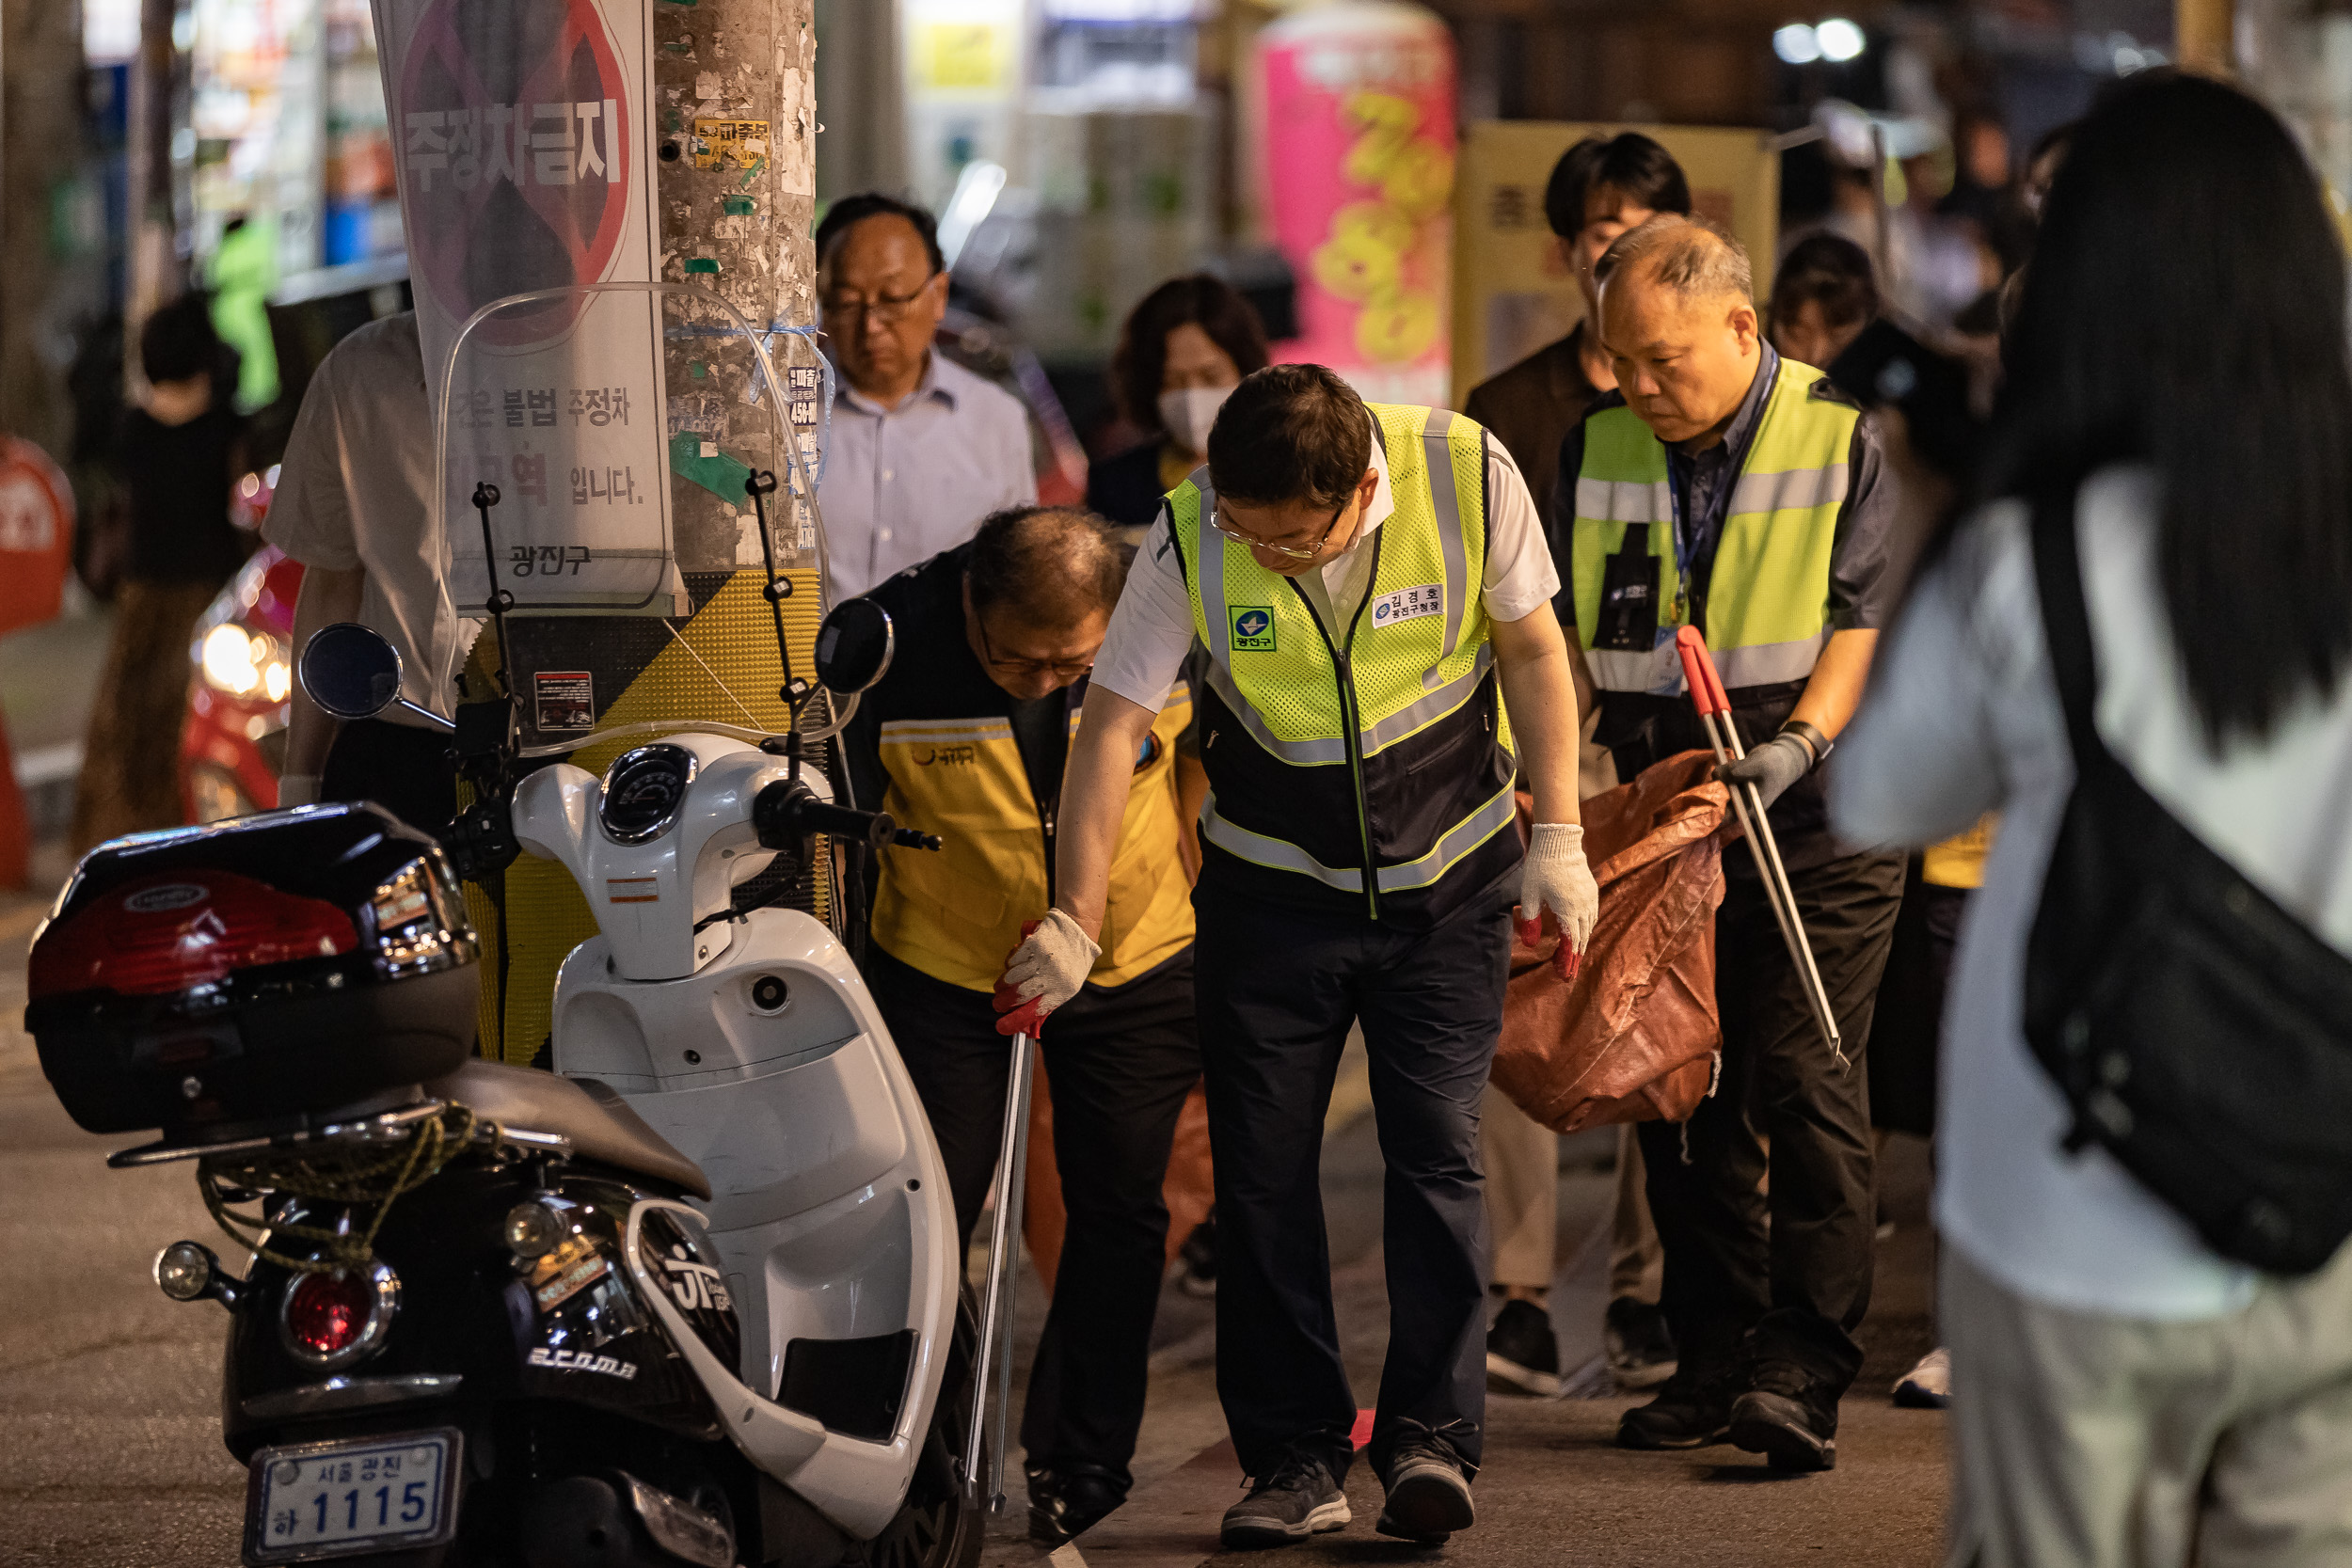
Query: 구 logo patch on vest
(1253, 628)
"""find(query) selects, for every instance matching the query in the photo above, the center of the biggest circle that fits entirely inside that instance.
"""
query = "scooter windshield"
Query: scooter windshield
(596, 445)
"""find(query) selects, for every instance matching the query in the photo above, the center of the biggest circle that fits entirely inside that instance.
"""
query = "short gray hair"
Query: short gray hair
(1688, 255)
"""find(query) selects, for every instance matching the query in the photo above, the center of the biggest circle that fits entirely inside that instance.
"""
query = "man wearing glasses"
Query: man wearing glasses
(1370, 585)
(964, 737)
(921, 448)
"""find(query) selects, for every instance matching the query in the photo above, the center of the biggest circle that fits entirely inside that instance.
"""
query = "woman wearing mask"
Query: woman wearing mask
(1183, 348)
(2130, 1396)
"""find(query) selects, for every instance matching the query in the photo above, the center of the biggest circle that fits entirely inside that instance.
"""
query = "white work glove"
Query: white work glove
(1555, 877)
(1053, 960)
(298, 789)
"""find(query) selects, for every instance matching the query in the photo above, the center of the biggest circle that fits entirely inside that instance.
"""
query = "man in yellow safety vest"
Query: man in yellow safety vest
(1727, 489)
(1370, 583)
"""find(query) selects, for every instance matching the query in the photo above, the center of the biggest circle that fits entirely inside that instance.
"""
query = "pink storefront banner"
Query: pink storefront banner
(1358, 174)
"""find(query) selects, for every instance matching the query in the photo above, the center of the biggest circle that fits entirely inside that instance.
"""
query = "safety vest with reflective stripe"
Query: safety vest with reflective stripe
(956, 913)
(1370, 762)
(1767, 606)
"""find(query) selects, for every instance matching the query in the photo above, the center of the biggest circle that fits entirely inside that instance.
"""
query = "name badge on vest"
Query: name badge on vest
(1407, 604)
(1628, 622)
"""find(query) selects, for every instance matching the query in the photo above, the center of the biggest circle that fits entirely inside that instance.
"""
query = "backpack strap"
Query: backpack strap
(2066, 623)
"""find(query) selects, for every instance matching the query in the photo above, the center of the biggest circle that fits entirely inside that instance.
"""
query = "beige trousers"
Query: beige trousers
(2085, 1441)
(1522, 1159)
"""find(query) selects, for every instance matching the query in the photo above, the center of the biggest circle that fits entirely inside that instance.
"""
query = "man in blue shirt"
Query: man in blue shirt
(922, 448)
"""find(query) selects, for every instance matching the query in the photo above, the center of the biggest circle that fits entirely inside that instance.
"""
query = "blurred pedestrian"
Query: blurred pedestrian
(1600, 187)
(1727, 489)
(995, 638)
(178, 452)
(1825, 293)
(1185, 348)
(2171, 458)
(922, 448)
(353, 505)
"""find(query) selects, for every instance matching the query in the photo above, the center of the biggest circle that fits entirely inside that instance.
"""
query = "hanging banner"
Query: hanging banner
(519, 126)
(1359, 171)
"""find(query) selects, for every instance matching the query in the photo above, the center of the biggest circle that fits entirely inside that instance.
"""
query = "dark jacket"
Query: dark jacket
(1531, 406)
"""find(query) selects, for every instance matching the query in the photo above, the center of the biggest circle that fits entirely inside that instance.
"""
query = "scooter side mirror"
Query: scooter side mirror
(854, 646)
(350, 671)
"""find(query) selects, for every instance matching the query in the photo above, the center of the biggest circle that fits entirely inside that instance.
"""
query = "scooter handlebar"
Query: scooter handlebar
(785, 813)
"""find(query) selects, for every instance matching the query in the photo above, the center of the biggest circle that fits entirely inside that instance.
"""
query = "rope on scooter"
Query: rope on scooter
(349, 1174)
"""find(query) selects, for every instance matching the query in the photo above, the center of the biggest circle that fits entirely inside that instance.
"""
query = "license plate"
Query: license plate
(314, 1500)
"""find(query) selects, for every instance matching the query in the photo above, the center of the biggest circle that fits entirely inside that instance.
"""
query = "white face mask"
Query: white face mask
(1187, 413)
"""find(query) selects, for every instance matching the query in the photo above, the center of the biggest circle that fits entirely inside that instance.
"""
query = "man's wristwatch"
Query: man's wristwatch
(1815, 741)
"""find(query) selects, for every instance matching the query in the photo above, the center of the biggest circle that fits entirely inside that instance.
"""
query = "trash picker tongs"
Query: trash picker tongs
(1714, 708)
(984, 1460)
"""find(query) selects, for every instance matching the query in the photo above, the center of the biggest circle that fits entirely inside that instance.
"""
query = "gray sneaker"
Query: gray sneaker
(1429, 1497)
(1298, 1499)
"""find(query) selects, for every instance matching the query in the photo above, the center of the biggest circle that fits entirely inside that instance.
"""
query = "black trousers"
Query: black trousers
(400, 768)
(1120, 1062)
(1790, 1273)
(1278, 988)
(1906, 1038)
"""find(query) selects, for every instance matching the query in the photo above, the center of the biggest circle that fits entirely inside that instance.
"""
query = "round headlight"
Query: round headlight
(184, 1271)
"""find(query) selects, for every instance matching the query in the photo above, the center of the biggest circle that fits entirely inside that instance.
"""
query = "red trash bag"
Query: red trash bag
(1633, 1036)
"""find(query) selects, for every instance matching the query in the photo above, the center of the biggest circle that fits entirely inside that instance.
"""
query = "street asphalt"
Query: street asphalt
(109, 1393)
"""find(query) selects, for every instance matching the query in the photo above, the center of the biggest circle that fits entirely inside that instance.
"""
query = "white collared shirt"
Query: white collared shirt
(903, 483)
(1151, 630)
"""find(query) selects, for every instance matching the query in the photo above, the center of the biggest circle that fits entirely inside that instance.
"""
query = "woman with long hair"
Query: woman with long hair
(2179, 397)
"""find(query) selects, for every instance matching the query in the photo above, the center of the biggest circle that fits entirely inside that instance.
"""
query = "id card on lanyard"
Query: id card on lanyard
(1628, 620)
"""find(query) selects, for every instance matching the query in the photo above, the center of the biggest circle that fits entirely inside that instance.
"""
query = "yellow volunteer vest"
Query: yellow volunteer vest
(957, 913)
(1372, 759)
(1767, 615)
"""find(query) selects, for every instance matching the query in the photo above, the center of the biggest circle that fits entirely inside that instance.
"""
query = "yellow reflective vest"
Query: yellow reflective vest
(956, 913)
(1767, 596)
(1362, 766)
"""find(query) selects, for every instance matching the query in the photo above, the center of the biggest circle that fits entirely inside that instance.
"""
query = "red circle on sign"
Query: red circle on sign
(35, 534)
(515, 148)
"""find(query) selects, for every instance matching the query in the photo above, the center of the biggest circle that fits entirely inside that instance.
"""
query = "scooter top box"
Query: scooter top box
(218, 978)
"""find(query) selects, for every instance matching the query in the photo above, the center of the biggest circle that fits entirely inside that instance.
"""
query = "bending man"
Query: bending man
(1370, 584)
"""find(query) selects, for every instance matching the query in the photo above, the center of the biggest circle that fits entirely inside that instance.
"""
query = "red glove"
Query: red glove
(1018, 1016)
(1566, 959)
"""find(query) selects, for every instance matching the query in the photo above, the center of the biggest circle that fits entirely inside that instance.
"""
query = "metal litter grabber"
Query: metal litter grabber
(1714, 709)
(994, 1360)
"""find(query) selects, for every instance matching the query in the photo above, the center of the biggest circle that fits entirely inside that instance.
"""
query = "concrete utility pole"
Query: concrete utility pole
(735, 135)
(40, 142)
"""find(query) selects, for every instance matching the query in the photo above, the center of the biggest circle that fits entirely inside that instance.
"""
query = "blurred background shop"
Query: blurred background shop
(1368, 174)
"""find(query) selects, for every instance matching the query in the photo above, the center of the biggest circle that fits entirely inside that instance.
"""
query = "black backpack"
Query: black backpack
(2202, 1034)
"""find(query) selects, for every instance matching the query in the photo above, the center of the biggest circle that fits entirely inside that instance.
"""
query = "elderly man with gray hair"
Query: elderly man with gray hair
(1726, 488)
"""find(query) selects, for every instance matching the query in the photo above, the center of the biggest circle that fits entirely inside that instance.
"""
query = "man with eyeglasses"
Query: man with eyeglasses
(1371, 584)
(921, 448)
(964, 737)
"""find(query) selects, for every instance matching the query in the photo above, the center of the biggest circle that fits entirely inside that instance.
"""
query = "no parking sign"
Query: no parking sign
(520, 126)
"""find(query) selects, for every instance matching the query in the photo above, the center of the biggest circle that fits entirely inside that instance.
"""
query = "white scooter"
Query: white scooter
(749, 1042)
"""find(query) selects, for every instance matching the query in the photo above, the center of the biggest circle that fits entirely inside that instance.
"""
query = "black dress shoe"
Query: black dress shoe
(1690, 1412)
(1069, 1502)
(1789, 1417)
(1639, 1345)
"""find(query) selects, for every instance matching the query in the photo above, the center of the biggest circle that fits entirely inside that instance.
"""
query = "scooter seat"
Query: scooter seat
(598, 1122)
